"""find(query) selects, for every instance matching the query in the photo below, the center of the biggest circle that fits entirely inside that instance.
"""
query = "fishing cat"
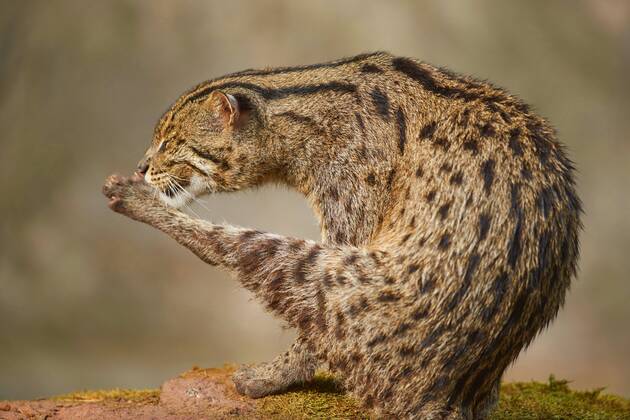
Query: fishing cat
(448, 214)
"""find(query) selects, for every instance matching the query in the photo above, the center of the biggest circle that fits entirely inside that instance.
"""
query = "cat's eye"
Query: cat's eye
(162, 146)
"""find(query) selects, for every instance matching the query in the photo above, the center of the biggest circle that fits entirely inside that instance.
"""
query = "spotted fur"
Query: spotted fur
(448, 212)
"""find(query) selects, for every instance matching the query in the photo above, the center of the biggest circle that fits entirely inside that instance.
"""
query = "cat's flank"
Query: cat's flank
(448, 214)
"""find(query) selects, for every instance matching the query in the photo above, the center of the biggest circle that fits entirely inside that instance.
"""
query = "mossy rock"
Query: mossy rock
(320, 398)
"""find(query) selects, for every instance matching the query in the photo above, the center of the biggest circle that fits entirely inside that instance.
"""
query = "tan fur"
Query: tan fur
(448, 213)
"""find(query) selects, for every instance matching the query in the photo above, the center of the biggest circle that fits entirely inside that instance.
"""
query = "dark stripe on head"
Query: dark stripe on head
(294, 69)
(402, 129)
(301, 119)
(276, 93)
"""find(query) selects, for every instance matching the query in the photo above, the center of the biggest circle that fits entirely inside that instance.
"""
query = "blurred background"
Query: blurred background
(89, 299)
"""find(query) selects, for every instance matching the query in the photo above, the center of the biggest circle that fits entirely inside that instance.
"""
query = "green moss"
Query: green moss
(320, 398)
(323, 398)
(148, 396)
(554, 400)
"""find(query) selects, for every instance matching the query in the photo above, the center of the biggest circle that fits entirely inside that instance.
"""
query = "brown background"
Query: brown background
(89, 299)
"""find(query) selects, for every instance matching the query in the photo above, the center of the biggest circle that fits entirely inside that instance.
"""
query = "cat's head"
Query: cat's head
(203, 147)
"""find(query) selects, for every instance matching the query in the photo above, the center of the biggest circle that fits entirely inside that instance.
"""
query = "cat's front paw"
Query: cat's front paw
(130, 196)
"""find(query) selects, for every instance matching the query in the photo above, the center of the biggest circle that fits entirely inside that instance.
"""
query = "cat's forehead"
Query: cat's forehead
(170, 124)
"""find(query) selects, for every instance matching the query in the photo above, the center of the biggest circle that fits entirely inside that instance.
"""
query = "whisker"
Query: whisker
(178, 187)
(192, 197)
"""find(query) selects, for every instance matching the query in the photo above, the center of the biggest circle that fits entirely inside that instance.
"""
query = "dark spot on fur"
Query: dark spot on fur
(471, 267)
(405, 238)
(443, 210)
(360, 122)
(390, 178)
(427, 285)
(428, 130)
(487, 171)
(515, 203)
(402, 327)
(388, 296)
(407, 350)
(515, 143)
(381, 102)
(487, 130)
(340, 327)
(499, 286)
(371, 68)
(514, 247)
(371, 179)
(321, 309)
(334, 193)
(431, 196)
(364, 303)
(484, 226)
(304, 264)
(464, 117)
(341, 280)
(441, 142)
(446, 167)
(526, 173)
(457, 178)
(445, 242)
(420, 312)
(471, 146)
(378, 338)
(545, 201)
(402, 129)
(419, 172)
(412, 268)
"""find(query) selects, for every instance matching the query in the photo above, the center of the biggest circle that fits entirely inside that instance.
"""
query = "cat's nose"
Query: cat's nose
(143, 166)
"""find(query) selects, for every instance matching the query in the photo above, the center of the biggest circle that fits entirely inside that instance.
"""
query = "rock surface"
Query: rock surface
(210, 394)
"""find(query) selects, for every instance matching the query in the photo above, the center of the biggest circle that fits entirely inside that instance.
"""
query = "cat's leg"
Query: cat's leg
(488, 402)
(300, 281)
(296, 365)
(307, 284)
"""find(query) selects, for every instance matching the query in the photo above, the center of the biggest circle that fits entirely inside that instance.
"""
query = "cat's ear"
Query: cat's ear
(225, 108)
